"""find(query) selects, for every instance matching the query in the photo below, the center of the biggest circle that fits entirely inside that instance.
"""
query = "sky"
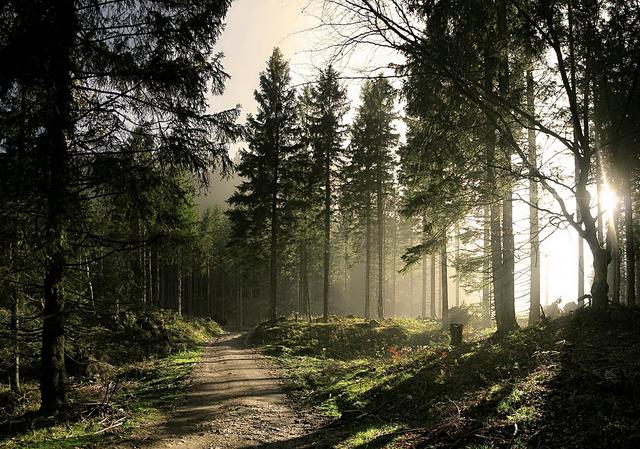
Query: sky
(255, 27)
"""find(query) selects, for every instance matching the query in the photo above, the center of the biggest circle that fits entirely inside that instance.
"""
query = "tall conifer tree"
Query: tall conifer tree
(370, 171)
(273, 139)
(328, 131)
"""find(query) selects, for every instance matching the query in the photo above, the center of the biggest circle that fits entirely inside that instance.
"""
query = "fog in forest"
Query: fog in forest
(263, 224)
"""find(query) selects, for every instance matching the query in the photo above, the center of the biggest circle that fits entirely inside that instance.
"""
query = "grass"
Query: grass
(569, 383)
(140, 401)
(139, 390)
(339, 367)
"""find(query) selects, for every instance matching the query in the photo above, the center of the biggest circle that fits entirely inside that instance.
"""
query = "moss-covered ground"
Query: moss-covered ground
(126, 375)
(573, 382)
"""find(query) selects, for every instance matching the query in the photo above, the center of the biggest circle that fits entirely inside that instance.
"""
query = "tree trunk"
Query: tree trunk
(601, 256)
(380, 210)
(394, 256)
(305, 280)
(367, 261)
(251, 287)
(424, 286)
(486, 267)
(576, 131)
(630, 247)
(587, 226)
(90, 286)
(411, 308)
(162, 290)
(432, 289)
(327, 235)
(457, 243)
(221, 290)
(444, 289)
(534, 229)
(240, 303)
(179, 286)
(149, 275)
(53, 372)
(614, 250)
(599, 173)
(59, 129)
(600, 287)
(300, 310)
(497, 271)
(506, 309)
(15, 336)
(345, 290)
(193, 290)
(273, 267)
(154, 270)
(207, 290)
(580, 262)
(142, 252)
(159, 292)
(284, 296)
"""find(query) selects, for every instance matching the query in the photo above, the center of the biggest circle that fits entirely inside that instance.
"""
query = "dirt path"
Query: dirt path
(236, 401)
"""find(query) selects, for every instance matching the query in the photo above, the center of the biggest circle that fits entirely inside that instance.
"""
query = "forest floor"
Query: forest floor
(571, 382)
(234, 401)
(124, 375)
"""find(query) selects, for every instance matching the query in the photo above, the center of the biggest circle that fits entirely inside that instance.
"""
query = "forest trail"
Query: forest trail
(235, 401)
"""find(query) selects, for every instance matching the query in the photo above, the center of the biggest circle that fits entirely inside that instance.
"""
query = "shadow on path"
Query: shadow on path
(235, 401)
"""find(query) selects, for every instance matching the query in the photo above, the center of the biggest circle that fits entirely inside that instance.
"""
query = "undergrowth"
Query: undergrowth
(125, 375)
(573, 382)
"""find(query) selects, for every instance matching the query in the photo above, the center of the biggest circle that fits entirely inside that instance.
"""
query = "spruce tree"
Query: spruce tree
(85, 77)
(369, 172)
(261, 200)
(328, 131)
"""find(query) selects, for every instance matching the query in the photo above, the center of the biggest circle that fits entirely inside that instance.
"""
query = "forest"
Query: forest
(436, 250)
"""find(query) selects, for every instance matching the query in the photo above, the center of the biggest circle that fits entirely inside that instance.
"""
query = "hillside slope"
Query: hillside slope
(571, 383)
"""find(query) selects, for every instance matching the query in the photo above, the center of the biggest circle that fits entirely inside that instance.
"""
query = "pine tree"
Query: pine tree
(328, 130)
(273, 140)
(91, 76)
(306, 197)
(369, 173)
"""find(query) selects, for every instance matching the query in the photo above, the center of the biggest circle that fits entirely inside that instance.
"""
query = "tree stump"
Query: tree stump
(456, 333)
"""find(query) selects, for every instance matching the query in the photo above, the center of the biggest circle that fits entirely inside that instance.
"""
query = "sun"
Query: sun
(608, 199)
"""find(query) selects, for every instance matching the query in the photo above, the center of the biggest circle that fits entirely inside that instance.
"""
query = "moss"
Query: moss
(146, 387)
(362, 438)
(567, 383)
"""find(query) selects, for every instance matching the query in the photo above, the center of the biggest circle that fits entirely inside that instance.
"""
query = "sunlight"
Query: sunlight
(608, 199)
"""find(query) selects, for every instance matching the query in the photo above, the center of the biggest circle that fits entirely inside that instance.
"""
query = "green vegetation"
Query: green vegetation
(489, 137)
(109, 402)
(336, 365)
(567, 383)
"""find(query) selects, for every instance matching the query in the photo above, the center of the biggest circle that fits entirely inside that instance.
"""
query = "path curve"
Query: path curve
(235, 401)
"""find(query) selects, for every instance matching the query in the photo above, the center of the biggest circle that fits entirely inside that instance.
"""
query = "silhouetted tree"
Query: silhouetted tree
(93, 74)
